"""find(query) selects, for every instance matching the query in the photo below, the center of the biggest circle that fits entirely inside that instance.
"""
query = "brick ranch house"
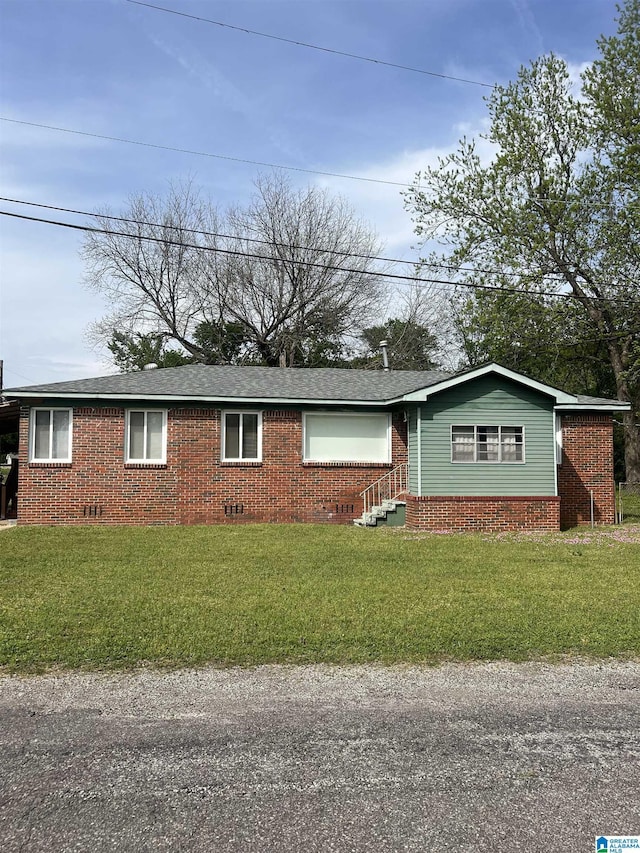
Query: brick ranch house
(486, 449)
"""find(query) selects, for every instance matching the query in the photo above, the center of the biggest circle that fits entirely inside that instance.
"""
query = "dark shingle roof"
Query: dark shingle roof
(200, 381)
(586, 400)
(217, 383)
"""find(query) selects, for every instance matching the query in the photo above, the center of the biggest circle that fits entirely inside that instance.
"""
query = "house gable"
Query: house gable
(486, 401)
(469, 376)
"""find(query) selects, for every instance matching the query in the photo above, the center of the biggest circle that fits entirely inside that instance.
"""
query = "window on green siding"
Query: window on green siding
(511, 444)
(487, 444)
(242, 439)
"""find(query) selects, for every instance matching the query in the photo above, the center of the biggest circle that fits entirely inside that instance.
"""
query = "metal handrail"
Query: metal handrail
(386, 488)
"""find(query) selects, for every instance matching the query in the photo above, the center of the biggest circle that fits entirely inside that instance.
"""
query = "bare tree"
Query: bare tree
(147, 265)
(293, 269)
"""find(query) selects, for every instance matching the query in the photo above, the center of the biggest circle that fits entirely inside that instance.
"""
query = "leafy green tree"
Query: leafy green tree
(132, 352)
(9, 442)
(612, 87)
(222, 342)
(543, 338)
(410, 346)
(555, 213)
(321, 351)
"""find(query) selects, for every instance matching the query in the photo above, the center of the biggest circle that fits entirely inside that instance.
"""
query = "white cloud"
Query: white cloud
(576, 70)
(382, 205)
(44, 308)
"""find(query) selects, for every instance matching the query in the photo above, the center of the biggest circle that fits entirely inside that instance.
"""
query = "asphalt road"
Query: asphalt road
(488, 757)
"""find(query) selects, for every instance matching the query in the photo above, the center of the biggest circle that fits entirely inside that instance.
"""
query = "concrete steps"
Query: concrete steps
(390, 513)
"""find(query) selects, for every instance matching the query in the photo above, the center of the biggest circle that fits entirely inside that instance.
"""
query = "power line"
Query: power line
(381, 258)
(583, 203)
(235, 253)
(204, 153)
(313, 46)
(21, 375)
(565, 344)
(239, 237)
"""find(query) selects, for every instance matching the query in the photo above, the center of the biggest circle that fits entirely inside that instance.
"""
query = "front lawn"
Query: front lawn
(630, 504)
(90, 597)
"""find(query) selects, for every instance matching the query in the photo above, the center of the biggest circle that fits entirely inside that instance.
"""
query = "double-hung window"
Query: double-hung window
(487, 444)
(51, 435)
(242, 436)
(146, 436)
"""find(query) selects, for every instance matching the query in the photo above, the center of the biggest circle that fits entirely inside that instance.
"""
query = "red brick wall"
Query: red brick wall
(194, 487)
(490, 514)
(587, 464)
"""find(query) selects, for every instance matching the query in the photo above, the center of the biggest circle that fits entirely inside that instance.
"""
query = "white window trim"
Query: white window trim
(498, 461)
(226, 458)
(32, 436)
(129, 460)
(558, 428)
(305, 458)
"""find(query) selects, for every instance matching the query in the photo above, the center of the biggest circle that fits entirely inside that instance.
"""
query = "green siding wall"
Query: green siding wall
(489, 400)
(412, 449)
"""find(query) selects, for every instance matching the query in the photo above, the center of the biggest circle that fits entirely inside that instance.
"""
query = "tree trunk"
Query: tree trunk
(631, 430)
(631, 445)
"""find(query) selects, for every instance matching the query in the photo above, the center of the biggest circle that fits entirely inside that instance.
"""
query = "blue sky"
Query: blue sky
(117, 69)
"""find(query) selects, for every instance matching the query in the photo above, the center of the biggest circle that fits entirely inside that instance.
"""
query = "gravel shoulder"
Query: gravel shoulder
(246, 691)
(457, 757)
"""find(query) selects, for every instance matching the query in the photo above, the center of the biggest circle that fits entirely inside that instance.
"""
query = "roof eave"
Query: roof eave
(612, 406)
(173, 398)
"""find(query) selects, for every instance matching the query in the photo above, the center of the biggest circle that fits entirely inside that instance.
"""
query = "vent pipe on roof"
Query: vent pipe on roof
(150, 366)
(385, 358)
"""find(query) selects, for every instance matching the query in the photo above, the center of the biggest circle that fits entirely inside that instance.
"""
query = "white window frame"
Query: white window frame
(50, 460)
(130, 460)
(386, 461)
(558, 428)
(499, 460)
(241, 458)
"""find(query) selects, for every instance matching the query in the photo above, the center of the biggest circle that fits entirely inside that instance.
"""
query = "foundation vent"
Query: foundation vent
(92, 510)
(233, 509)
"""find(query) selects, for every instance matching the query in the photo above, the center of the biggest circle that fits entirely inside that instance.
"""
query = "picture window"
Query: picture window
(346, 437)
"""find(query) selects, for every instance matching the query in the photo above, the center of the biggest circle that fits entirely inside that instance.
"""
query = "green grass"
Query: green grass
(90, 597)
(630, 506)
